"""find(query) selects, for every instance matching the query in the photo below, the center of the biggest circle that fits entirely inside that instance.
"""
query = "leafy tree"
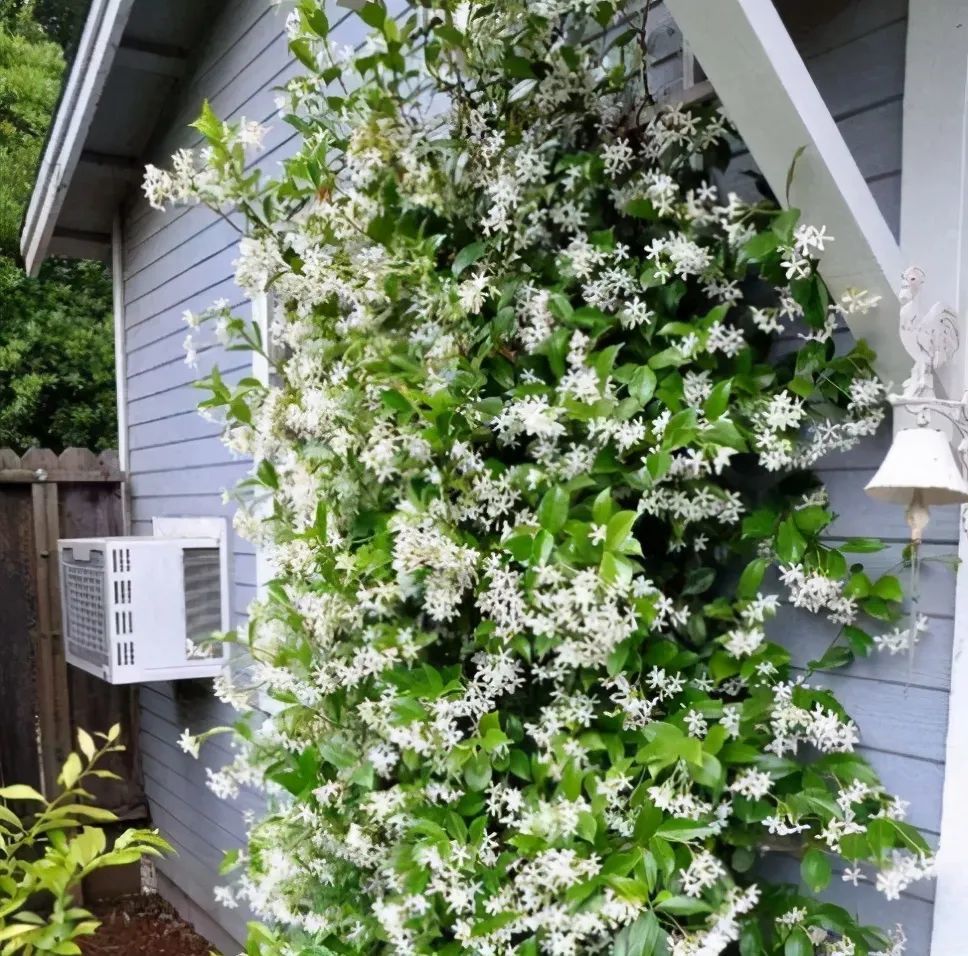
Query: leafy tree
(30, 72)
(58, 20)
(56, 357)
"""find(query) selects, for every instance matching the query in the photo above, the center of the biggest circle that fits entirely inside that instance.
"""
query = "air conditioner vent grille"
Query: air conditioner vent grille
(203, 600)
(84, 599)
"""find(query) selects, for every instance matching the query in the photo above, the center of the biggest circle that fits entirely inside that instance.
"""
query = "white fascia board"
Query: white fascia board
(770, 97)
(103, 28)
(120, 346)
(934, 236)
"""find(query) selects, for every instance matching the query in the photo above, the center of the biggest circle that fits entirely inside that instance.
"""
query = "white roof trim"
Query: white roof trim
(768, 94)
(105, 23)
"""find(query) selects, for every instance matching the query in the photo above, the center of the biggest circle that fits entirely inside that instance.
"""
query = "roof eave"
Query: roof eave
(99, 43)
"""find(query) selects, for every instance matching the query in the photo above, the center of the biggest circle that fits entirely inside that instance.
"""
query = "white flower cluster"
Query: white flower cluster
(500, 476)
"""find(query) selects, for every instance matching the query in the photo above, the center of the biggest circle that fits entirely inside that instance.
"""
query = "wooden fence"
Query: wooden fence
(43, 497)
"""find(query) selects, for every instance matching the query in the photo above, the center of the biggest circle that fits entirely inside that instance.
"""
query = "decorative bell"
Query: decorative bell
(918, 471)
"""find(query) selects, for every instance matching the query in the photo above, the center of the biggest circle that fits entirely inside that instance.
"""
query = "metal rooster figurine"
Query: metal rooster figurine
(930, 339)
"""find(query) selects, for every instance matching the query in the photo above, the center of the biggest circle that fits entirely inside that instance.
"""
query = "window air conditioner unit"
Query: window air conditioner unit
(135, 609)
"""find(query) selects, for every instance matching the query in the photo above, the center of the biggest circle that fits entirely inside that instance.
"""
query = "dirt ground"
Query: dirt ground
(142, 926)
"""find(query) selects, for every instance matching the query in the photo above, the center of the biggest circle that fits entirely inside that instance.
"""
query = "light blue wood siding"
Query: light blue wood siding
(183, 260)
(855, 54)
(175, 261)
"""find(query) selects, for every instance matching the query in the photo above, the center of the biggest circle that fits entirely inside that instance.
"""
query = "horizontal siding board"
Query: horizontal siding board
(203, 246)
(874, 138)
(169, 432)
(178, 398)
(912, 912)
(170, 369)
(178, 480)
(178, 704)
(148, 324)
(859, 515)
(194, 869)
(847, 23)
(191, 453)
(170, 342)
(869, 70)
(808, 636)
(211, 504)
(200, 273)
(210, 814)
(920, 782)
(892, 717)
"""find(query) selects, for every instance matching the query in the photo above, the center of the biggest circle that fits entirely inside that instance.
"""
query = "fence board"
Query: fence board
(44, 497)
(19, 752)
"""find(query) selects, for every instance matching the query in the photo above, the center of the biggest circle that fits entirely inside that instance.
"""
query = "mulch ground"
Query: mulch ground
(142, 926)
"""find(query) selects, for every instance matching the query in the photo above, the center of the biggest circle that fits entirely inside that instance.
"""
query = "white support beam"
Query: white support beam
(765, 88)
(934, 235)
(146, 59)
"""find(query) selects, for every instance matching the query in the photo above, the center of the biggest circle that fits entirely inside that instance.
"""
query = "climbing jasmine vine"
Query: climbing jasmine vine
(532, 470)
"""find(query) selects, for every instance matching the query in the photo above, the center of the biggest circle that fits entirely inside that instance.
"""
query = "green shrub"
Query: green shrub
(46, 854)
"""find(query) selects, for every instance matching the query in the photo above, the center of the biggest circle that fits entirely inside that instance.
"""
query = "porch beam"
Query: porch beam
(149, 57)
(770, 97)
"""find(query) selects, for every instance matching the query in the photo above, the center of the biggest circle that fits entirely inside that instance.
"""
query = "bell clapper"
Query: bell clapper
(917, 516)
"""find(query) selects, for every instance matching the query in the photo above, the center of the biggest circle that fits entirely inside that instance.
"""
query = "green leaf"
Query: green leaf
(861, 643)
(863, 545)
(303, 52)
(798, 943)
(467, 257)
(836, 656)
(760, 246)
(815, 869)
(477, 772)
(790, 544)
(784, 224)
(812, 519)
(86, 743)
(209, 125)
(553, 509)
(641, 209)
(373, 15)
(888, 588)
(71, 771)
(20, 791)
(683, 906)
(718, 400)
(603, 507)
(642, 384)
(619, 528)
(751, 579)
(683, 831)
(699, 580)
(643, 935)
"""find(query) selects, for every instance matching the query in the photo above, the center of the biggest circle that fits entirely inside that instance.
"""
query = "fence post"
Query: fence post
(53, 700)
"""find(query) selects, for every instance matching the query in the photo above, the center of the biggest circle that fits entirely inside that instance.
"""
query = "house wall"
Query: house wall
(174, 261)
(183, 260)
(855, 54)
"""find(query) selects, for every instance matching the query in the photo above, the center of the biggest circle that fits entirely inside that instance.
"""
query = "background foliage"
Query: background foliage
(56, 353)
